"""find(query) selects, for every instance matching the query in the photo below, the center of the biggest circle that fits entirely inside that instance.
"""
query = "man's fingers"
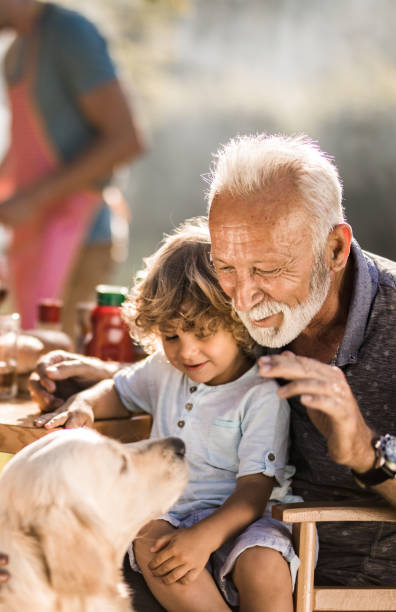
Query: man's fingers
(312, 386)
(324, 404)
(291, 367)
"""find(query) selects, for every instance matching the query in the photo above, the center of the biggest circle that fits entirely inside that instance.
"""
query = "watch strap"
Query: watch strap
(373, 477)
(377, 474)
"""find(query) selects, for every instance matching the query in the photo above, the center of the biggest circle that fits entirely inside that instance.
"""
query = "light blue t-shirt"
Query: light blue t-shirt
(230, 430)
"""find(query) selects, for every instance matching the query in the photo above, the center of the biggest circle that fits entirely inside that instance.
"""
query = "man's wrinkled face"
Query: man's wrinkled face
(263, 255)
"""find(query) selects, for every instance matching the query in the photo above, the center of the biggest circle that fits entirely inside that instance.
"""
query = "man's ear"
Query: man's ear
(338, 246)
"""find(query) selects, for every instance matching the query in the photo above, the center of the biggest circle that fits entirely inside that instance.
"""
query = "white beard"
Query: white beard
(295, 319)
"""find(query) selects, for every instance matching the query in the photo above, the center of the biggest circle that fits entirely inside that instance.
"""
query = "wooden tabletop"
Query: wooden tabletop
(17, 428)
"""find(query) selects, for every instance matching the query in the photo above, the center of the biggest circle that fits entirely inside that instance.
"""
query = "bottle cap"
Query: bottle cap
(49, 310)
(111, 295)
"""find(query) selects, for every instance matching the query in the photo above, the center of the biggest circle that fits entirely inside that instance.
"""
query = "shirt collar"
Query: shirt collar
(251, 372)
(364, 289)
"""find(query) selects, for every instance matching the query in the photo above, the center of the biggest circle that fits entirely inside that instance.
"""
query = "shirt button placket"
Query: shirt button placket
(188, 406)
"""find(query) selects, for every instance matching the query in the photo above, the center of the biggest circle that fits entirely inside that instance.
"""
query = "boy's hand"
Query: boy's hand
(76, 412)
(181, 556)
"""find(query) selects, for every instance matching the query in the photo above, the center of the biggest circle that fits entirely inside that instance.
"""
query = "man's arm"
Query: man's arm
(117, 140)
(332, 408)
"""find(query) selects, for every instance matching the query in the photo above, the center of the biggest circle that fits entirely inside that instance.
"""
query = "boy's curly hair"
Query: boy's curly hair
(178, 286)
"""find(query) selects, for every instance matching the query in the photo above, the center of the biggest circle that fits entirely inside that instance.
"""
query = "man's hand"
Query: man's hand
(75, 412)
(181, 556)
(76, 372)
(330, 404)
(4, 574)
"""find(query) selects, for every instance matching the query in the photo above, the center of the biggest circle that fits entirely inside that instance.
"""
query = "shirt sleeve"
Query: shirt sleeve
(83, 54)
(133, 386)
(265, 426)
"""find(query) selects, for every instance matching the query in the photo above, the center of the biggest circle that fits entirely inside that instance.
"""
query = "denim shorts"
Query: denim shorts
(265, 532)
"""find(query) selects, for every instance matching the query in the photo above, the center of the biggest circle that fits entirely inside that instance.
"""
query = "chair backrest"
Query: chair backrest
(309, 598)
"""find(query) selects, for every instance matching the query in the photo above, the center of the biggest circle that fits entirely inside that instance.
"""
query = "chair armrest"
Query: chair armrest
(315, 512)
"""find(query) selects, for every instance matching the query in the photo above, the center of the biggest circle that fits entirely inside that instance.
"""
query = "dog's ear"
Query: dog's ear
(75, 552)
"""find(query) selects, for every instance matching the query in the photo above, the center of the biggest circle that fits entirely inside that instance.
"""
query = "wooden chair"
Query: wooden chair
(309, 598)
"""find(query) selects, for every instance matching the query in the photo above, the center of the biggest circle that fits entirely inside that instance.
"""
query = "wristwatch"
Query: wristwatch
(385, 463)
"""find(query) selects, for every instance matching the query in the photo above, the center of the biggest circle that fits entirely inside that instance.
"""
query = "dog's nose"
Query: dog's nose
(178, 446)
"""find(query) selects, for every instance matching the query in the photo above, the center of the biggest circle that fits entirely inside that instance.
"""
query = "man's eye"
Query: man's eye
(266, 272)
(170, 338)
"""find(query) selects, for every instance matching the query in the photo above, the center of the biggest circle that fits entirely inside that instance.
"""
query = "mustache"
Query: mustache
(262, 310)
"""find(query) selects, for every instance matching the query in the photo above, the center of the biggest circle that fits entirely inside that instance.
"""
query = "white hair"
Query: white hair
(251, 164)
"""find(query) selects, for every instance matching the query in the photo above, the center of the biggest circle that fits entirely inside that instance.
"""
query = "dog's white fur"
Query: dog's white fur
(70, 504)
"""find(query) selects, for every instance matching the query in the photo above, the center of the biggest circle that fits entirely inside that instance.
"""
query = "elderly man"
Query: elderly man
(285, 256)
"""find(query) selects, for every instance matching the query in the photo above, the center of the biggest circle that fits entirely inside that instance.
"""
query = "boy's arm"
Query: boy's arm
(244, 506)
(98, 402)
(182, 555)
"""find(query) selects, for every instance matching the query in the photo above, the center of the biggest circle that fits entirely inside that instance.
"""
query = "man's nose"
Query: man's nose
(246, 294)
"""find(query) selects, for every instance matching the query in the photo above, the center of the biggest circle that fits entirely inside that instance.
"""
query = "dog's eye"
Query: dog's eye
(124, 464)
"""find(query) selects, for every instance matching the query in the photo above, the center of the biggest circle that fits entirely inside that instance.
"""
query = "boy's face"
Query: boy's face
(215, 359)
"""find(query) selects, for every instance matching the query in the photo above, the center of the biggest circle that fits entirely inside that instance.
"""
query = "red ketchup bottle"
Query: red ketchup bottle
(109, 338)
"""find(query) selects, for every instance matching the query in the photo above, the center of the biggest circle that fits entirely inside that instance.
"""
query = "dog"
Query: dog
(70, 504)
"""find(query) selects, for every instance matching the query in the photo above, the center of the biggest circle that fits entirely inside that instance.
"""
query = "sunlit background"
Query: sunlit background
(201, 71)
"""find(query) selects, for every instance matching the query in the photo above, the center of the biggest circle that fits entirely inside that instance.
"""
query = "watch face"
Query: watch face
(388, 447)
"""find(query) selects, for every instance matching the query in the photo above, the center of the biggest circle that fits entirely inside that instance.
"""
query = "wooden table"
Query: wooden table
(17, 428)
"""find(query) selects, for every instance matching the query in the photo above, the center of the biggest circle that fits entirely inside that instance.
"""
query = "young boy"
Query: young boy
(218, 546)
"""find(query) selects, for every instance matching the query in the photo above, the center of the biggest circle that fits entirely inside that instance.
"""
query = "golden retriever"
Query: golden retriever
(70, 504)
